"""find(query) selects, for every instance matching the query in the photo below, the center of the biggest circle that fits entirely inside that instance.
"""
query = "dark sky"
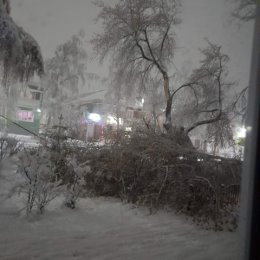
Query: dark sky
(52, 22)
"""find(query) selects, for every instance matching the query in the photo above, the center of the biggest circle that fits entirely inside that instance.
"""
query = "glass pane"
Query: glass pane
(123, 128)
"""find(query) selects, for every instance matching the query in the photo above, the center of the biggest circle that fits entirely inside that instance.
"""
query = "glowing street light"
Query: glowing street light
(241, 132)
(94, 117)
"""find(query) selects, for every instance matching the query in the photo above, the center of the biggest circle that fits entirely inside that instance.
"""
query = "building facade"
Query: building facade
(26, 111)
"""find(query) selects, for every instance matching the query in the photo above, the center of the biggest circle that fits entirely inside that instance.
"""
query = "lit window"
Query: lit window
(26, 116)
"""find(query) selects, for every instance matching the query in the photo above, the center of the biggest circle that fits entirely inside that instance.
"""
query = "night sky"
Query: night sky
(52, 22)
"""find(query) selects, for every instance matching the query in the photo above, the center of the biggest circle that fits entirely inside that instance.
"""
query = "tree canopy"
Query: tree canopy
(138, 35)
(64, 73)
(20, 55)
(245, 10)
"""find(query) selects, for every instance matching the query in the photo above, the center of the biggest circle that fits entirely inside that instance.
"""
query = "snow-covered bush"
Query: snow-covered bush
(153, 170)
(65, 160)
(8, 146)
(40, 183)
(76, 183)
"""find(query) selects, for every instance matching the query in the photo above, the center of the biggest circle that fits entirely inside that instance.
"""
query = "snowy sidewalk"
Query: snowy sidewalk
(103, 229)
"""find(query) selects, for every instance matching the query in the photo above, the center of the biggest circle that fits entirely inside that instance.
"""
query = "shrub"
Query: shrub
(154, 170)
(69, 171)
(76, 182)
(40, 183)
(8, 146)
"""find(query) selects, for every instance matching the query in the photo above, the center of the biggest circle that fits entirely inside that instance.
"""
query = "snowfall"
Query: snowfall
(101, 228)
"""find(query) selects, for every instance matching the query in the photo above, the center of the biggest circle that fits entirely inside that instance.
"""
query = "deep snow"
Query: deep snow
(100, 229)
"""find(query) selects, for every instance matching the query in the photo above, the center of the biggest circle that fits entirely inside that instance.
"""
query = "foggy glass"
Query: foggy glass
(94, 105)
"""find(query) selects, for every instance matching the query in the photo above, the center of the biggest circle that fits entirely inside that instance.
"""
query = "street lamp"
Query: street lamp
(241, 132)
(94, 117)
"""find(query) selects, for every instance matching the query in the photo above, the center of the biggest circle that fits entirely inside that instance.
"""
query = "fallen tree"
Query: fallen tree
(149, 169)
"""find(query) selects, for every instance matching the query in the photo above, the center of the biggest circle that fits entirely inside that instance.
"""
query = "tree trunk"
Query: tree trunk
(214, 148)
(154, 119)
(117, 121)
(175, 134)
(168, 115)
(168, 97)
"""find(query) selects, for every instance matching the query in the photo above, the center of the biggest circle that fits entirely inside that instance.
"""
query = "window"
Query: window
(36, 95)
(25, 116)
(129, 114)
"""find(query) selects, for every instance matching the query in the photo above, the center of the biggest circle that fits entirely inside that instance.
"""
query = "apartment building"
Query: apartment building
(26, 110)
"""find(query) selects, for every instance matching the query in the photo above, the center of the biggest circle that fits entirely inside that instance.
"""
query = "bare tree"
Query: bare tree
(209, 86)
(245, 10)
(220, 133)
(115, 99)
(64, 72)
(139, 36)
(239, 106)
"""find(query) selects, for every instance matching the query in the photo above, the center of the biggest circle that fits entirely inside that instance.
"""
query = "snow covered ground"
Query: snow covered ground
(27, 141)
(102, 229)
